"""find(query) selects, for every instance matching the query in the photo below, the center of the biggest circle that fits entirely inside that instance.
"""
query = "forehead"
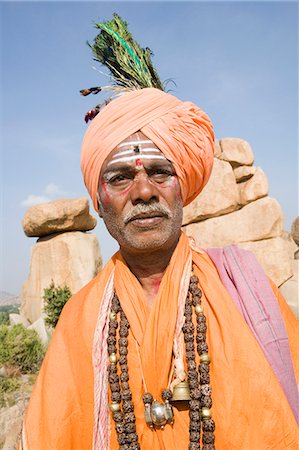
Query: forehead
(136, 147)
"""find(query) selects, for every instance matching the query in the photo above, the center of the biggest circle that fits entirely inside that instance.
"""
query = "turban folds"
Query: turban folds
(182, 131)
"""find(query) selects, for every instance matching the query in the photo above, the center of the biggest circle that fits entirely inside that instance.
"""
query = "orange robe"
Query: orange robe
(249, 407)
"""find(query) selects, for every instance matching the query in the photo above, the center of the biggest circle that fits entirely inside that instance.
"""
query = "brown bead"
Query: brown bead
(112, 332)
(202, 348)
(166, 394)
(192, 375)
(113, 378)
(125, 385)
(193, 279)
(190, 355)
(205, 389)
(115, 387)
(194, 415)
(188, 317)
(201, 319)
(123, 350)
(123, 360)
(194, 446)
(124, 376)
(129, 417)
(135, 446)
(188, 337)
(206, 401)
(194, 426)
(124, 368)
(188, 310)
(128, 406)
(126, 395)
(191, 365)
(123, 331)
(118, 416)
(201, 327)
(130, 427)
(124, 447)
(208, 437)
(188, 327)
(132, 437)
(120, 427)
(189, 346)
(116, 397)
(208, 447)
(194, 436)
(204, 378)
(200, 338)
(204, 368)
(147, 398)
(193, 384)
(113, 325)
(208, 425)
(122, 438)
(194, 405)
(111, 349)
(111, 340)
(195, 394)
(123, 342)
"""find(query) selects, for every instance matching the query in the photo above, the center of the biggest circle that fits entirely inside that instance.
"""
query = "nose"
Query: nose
(143, 191)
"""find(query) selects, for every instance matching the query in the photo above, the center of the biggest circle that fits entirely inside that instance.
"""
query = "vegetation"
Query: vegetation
(5, 311)
(54, 300)
(21, 348)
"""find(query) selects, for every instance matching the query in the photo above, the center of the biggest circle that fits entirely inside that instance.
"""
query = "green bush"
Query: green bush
(5, 311)
(8, 384)
(54, 300)
(21, 348)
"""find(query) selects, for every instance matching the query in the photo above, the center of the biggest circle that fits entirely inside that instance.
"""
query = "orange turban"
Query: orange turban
(182, 131)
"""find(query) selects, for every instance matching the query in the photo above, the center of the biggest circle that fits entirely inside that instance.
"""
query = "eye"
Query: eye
(161, 175)
(119, 180)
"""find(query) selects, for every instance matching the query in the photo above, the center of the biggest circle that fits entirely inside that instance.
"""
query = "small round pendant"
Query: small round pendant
(158, 414)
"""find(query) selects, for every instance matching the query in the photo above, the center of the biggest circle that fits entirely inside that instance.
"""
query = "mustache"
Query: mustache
(143, 208)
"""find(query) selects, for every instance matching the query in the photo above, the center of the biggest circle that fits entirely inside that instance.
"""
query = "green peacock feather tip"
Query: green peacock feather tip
(129, 64)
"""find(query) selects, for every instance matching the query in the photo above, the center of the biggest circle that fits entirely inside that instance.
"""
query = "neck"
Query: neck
(149, 267)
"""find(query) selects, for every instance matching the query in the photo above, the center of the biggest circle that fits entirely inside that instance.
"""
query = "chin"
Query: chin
(149, 240)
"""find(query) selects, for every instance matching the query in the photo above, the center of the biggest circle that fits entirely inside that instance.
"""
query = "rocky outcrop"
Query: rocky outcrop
(295, 230)
(234, 208)
(58, 216)
(69, 258)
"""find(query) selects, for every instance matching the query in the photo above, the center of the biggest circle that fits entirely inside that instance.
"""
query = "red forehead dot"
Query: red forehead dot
(138, 162)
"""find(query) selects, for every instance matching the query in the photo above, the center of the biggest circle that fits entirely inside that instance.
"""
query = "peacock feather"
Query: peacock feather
(130, 66)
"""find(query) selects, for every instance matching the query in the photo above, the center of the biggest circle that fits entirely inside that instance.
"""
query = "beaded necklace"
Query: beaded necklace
(122, 407)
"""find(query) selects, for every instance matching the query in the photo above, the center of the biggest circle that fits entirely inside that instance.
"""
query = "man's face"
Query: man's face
(139, 196)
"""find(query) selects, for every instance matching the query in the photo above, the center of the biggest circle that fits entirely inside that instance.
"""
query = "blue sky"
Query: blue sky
(236, 60)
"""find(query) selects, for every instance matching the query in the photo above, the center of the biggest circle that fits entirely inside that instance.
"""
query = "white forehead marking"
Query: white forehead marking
(127, 143)
(132, 158)
(132, 152)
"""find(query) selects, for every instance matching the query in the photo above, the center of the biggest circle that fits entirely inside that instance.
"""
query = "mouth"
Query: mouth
(148, 219)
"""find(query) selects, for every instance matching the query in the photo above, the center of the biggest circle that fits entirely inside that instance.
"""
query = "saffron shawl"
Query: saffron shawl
(249, 406)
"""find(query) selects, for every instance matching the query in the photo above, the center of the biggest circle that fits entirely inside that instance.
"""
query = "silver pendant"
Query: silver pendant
(158, 414)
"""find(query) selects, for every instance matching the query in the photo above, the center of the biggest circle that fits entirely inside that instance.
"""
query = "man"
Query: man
(126, 340)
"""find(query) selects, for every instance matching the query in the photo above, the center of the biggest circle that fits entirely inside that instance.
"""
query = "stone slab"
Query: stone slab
(71, 259)
(258, 220)
(58, 216)
(236, 151)
(254, 188)
(219, 196)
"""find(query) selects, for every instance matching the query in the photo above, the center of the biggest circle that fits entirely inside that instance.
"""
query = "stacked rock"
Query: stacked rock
(234, 208)
(64, 252)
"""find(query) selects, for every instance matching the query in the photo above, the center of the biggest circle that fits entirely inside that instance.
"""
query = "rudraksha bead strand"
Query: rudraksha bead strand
(194, 404)
(126, 395)
(208, 425)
